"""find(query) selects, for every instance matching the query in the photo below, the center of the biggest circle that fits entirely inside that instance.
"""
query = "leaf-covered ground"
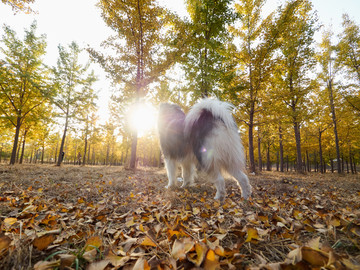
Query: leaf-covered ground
(112, 218)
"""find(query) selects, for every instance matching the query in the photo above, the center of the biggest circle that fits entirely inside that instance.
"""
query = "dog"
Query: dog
(206, 137)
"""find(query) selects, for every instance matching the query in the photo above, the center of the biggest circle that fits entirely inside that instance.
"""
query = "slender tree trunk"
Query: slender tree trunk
(268, 165)
(16, 141)
(61, 156)
(321, 154)
(85, 149)
(133, 150)
(281, 150)
(333, 115)
(298, 146)
(23, 147)
(259, 151)
(42, 154)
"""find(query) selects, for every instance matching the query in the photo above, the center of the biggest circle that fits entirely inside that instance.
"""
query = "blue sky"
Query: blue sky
(64, 21)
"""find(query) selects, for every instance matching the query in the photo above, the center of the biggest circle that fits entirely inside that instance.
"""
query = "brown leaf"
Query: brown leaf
(45, 265)
(44, 241)
(141, 264)
(101, 265)
(181, 247)
(4, 244)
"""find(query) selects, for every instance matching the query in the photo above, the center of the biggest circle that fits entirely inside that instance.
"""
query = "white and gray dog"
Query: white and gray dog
(208, 137)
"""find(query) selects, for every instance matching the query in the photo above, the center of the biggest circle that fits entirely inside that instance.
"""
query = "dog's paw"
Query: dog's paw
(184, 185)
(219, 197)
(170, 186)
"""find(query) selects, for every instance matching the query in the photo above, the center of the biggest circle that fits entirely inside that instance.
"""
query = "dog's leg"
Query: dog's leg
(220, 187)
(244, 183)
(188, 173)
(171, 166)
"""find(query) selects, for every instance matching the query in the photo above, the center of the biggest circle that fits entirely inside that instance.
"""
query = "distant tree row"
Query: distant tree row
(297, 101)
(34, 97)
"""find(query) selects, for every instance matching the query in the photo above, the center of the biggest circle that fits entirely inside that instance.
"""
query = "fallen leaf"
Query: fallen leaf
(44, 241)
(148, 242)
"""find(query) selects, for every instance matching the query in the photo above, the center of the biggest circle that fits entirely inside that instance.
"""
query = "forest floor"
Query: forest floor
(111, 218)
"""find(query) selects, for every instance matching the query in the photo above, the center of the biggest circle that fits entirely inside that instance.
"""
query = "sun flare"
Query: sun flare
(143, 118)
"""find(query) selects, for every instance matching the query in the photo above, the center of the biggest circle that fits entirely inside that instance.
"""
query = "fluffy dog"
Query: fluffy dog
(207, 137)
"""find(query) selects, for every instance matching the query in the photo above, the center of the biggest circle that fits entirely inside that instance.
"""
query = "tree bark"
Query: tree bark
(333, 115)
(321, 153)
(133, 150)
(259, 151)
(298, 147)
(16, 141)
(60, 157)
(281, 150)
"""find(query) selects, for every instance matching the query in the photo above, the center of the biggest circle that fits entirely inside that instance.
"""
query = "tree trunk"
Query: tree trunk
(61, 152)
(133, 150)
(281, 150)
(321, 154)
(23, 147)
(259, 151)
(16, 141)
(42, 154)
(332, 106)
(268, 165)
(298, 146)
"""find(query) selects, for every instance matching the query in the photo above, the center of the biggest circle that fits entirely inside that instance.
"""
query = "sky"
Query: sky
(64, 21)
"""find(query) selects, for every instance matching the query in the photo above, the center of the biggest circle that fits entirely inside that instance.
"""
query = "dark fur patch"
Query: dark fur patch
(171, 131)
(199, 131)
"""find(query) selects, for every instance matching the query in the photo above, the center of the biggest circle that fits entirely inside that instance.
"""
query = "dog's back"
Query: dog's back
(213, 136)
(171, 131)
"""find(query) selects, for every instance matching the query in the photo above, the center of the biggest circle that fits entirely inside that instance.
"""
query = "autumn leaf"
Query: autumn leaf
(45, 265)
(44, 241)
(198, 256)
(93, 242)
(252, 234)
(211, 261)
(181, 247)
(148, 242)
(4, 244)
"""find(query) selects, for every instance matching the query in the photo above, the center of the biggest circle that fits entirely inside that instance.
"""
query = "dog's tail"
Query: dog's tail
(213, 134)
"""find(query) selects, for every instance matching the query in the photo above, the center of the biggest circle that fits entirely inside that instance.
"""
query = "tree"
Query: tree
(74, 88)
(19, 5)
(328, 72)
(258, 41)
(348, 59)
(23, 85)
(145, 46)
(295, 64)
(204, 62)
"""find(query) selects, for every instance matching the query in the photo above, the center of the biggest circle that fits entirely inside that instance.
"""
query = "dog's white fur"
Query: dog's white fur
(220, 151)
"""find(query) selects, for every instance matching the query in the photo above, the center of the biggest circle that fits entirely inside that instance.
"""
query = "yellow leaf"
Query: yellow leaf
(211, 261)
(148, 242)
(92, 242)
(44, 241)
(10, 221)
(252, 233)
(199, 255)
